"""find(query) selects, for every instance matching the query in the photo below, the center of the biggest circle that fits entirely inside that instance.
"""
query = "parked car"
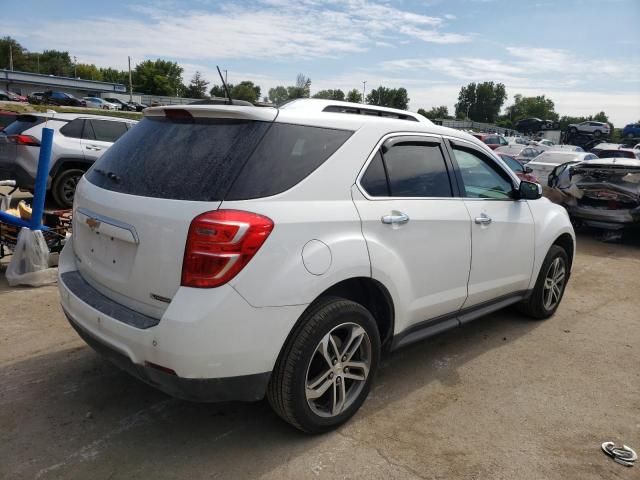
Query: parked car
(637, 146)
(36, 98)
(530, 125)
(491, 139)
(62, 99)
(79, 140)
(619, 153)
(122, 105)
(605, 146)
(522, 153)
(6, 118)
(226, 281)
(568, 148)
(517, 140)
(524, 172)
(596, 128)
(544, 142)
(631, 130)
(602, 193)
(138, 107)
(544, 163)
(11, 96)
(96, 102)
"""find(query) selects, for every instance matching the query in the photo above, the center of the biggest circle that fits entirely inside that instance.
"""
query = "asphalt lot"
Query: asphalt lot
(501, 398)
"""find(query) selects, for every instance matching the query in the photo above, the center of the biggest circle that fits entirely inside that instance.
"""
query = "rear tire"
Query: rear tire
(63, 187)
(324, 351)
(550, 285)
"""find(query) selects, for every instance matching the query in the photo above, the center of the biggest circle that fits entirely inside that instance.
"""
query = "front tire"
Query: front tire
(325, 370)
(597, 134)
(63, 187)
(550, 285)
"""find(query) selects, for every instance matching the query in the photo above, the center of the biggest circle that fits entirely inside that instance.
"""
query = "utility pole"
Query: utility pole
(225, 77)
(364, 88)
(75, 64)
(38, 62)
(11, 57)
(130, 83)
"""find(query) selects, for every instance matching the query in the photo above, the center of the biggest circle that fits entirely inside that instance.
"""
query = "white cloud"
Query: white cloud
(268, 29)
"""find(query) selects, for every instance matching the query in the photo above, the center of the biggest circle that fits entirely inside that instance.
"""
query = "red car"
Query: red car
(522, 171)
(491, 139)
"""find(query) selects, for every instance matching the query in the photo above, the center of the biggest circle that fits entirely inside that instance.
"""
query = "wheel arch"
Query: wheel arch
(565, 241)
(66, 163)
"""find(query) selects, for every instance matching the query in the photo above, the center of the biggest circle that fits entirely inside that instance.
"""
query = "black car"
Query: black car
(528, 125)
(138, 107)
(123, 106)
(62, 99)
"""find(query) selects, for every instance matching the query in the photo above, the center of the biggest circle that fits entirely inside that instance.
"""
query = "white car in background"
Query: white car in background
(596, 128)
(544, 163)
(279, 252)
(96, 102)
(78, 141)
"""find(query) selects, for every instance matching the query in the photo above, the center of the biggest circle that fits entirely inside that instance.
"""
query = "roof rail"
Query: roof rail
(368, 111)
(337, 106)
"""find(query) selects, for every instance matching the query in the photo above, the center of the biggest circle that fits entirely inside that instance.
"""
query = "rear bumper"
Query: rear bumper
(241, 388)
(220, 347)
(608, 219)
(16, 172)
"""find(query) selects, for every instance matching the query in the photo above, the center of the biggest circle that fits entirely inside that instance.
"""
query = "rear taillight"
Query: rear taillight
(220, 243)
(29, 140)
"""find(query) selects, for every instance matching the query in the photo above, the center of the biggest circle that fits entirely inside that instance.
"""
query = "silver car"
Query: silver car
(78, 141)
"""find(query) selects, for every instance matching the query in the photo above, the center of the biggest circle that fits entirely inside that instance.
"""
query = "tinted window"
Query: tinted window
(512, 163)
(22, 123)
(417, 170)
(107, 130)
(182, 160)
(481, 176)
(58, 95)
(73, 129)
(374, 180)
(286, 155)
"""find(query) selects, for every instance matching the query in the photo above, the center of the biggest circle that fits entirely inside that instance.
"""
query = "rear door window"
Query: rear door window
(73, 129)
(374, 181)
(107, 130)
(417, 170)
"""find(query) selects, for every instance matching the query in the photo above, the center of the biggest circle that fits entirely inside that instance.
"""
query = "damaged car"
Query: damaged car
(602, 193)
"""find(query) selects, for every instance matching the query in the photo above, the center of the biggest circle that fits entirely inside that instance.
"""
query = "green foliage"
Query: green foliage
(330, 94)
(246, 90)
(114, 76)
(354, 96)
(481, 102)
(389, 97)
(197, 88)
(278, 95)
(158, 77)
(302, 88)
(88, 72)
(435, 112)
(528, 107)
(21, 59)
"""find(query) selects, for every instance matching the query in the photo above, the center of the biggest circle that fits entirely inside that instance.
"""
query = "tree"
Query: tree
(158, 77)
(197, 88)
(528, 107)
(218, 91)
(114, 76)
(245, 90)
(435, 112)
(302, 88)
(88, 72)
(481, 102)
(55, 62)
(278, 95)
(330, 94)
(354, 96)
(389, 97)
(20, 55)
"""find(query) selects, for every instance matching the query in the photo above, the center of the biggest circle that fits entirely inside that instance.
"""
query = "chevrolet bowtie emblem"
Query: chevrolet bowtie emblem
(93, 223)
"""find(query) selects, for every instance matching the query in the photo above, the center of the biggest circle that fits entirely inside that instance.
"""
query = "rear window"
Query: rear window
(22, 123)
(200, 159)
(616, 154)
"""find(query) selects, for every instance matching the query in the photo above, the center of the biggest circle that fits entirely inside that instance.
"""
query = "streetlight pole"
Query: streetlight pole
(364, 89)
(75, 64)
(130, 83)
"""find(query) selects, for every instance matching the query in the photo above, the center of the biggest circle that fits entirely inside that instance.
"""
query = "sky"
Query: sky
(583, 54)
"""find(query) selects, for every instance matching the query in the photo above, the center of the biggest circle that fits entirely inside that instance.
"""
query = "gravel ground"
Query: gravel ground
(501, 398)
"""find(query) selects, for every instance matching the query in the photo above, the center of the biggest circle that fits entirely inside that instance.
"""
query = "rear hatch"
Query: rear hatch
(133, 208)
(9, 142)
(609, 184)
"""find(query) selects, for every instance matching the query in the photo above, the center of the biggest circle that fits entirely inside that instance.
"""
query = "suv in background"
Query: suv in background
(78, 141)
(631, 130)
(596, 128)
(224, 252)
(62, 99)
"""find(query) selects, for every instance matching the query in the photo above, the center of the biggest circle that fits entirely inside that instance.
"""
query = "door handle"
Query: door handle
(483, 219)
(398, 218)
(91, 147)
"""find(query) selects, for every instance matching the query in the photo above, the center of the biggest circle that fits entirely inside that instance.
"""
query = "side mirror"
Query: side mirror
(529, 190)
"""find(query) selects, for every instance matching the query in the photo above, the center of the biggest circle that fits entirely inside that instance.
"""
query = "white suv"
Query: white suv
(78, 141)
(596, 128)
(228, 252)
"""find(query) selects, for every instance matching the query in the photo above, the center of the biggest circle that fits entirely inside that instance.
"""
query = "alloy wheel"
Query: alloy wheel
(554, 283)
(338, 370)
